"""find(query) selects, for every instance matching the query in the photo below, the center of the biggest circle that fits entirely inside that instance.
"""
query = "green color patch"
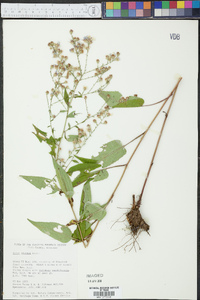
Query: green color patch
(165, 4)
(124, 13)
(117, 5)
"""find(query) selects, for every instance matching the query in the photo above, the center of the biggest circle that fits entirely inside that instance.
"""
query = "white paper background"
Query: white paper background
(150, 65)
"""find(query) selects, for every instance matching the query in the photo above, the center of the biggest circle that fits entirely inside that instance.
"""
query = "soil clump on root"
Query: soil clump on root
(135, 220)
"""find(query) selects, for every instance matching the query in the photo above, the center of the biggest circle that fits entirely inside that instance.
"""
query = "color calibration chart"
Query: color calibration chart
(151, 9)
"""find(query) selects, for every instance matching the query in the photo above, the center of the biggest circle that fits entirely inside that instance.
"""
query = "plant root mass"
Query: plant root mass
(135, 220)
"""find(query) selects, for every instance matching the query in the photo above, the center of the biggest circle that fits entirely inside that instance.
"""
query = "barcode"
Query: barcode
(104, 294)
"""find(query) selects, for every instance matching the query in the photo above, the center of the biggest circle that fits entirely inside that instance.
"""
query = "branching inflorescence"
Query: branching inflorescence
(69, 131)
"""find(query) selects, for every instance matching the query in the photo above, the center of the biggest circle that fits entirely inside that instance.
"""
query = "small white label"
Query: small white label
(113, 292)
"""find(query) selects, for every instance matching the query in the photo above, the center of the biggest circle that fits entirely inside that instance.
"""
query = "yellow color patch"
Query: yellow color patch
(180, 4)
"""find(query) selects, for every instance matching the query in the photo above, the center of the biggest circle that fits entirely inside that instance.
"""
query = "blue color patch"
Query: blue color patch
(158, 4)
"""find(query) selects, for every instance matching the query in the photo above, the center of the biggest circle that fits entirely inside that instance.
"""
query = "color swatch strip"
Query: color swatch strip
(151, 9)
(177, 9)
(130, 9)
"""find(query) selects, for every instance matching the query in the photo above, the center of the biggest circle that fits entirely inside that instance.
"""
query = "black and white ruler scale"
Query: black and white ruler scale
(48, 10)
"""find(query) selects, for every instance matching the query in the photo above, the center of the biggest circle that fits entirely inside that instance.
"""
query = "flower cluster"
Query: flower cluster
(101, 70)
(78, 45)
(81, 132)
(67, 77)
(55, 47)
(88, 39)
(108, 79)
(112, 57)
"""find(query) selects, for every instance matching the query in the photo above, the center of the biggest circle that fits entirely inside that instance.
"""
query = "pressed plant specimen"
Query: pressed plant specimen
(68, 132)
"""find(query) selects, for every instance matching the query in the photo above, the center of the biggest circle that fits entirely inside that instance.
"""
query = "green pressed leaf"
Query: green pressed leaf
(82, 177)
(86, 160)
(38, 182)
(52, 140)
(86, 196)
(64, 180)
(72, 114)
(52, 143)
(83, 167)
(111, 98)
(41, 135)
(40, 131)
(66, 97)
(115, 100)
(72, 138)
(85, 228)
(103, 174)
(55, 189)
(132, 101)
(94, 211)
(79, 95)
(57, 231)
(112, 152)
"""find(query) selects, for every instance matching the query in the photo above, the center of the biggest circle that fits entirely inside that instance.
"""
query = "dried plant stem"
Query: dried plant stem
(157, 144)
(141, 139)
(172, 94)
